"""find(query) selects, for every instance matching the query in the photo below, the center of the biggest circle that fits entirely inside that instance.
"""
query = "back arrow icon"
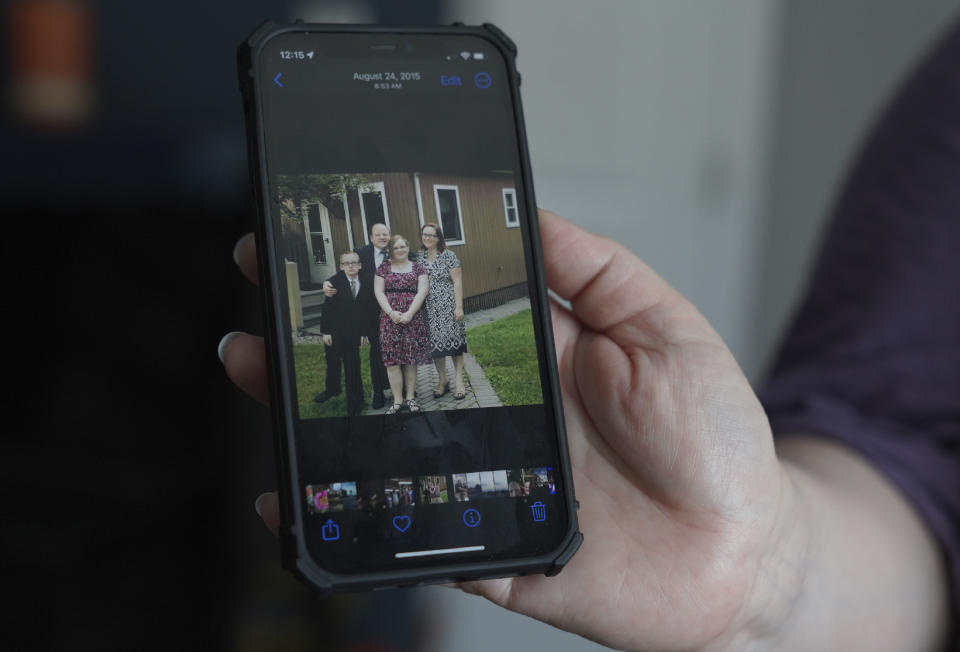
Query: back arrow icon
(276, 79)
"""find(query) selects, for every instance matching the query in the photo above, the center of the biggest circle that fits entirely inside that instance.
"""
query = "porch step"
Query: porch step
(312, 303)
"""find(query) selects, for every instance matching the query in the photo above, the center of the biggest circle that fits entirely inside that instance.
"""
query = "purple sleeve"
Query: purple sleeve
(873, 357)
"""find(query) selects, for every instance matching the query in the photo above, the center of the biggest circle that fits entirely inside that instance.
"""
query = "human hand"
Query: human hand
(696, 536)
(405, 318)
(328, 289)
(458, 314)
(395, 316)
(680, 489)
(328, 340)
(683, 501)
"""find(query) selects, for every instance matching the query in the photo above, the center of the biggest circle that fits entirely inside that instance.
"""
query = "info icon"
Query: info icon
(471, 518)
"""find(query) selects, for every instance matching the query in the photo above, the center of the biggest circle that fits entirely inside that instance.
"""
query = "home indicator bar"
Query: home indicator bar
(439, 551)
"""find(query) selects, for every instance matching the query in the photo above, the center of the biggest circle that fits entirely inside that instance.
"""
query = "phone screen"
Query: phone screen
(395, 175)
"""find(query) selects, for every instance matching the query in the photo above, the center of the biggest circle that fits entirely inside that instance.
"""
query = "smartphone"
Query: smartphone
(416, 408)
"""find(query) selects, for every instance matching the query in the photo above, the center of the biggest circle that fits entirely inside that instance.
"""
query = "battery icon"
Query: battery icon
(478, 56)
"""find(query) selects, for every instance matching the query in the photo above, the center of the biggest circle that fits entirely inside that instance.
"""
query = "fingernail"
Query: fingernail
(258, 503)
(240, 244)
(226, 339)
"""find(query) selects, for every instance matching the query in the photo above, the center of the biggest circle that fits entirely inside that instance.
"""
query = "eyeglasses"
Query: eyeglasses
(430, 235)
(350, 263)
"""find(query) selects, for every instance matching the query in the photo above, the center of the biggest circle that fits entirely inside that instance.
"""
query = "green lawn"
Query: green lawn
(505, 349)
(311, 372)
(507, 352)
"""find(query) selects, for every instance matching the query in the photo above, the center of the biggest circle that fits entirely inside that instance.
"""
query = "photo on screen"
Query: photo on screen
(493, 484)
(474, 490)
(433, 489)
(334, 497)
(516, 482)
(398, 492)
(545, 480)
(461, 492)
(371, 496)
(474, 323)
(536, 481)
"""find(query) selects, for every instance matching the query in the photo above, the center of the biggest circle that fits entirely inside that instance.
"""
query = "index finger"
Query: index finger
(245, 256)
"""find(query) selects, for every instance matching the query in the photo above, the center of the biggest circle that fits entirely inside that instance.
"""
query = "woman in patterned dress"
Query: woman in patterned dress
(401, 286)
(448, 337)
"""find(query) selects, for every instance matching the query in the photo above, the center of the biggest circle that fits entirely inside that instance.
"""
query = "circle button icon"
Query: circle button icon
(482, 80)
(471, 518)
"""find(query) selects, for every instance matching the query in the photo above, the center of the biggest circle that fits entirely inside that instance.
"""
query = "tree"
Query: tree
(293, 192)
(295, 189)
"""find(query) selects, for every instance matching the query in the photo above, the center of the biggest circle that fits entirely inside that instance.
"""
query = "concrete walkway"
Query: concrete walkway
(481, 317)
(479, 392)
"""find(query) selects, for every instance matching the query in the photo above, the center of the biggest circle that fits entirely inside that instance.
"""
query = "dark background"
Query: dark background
(130, 463)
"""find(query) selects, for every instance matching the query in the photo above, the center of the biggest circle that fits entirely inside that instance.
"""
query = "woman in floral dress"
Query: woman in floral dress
(448, 337)
(401, 286)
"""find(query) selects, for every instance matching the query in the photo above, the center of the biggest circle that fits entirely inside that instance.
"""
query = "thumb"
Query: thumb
(613, 292)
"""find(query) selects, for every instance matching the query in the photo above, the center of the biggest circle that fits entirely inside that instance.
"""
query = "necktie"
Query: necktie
(383, 255)
(353, 288)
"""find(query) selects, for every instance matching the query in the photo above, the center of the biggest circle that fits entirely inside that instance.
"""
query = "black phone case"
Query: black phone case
(293, 548)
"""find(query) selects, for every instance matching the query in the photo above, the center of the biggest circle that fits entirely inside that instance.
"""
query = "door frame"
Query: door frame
(319, 272)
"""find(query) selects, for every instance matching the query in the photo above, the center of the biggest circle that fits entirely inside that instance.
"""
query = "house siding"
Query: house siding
(402, 206)
(492, 253)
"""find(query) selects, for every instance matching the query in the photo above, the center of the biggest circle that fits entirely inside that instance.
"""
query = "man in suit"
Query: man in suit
(346, 320)
(371, 256)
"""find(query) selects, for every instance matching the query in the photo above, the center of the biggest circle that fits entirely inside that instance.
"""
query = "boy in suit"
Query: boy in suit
(371, 255)
(345, 323)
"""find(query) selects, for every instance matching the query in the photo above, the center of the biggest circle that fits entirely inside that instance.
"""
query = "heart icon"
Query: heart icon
(401, 523)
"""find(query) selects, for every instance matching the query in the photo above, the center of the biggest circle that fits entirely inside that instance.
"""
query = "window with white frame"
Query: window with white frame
(447, 201)
(510, 207)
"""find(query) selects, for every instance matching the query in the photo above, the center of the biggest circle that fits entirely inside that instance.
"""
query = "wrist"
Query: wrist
(773, 557)
(781, 573)
(851, 565)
